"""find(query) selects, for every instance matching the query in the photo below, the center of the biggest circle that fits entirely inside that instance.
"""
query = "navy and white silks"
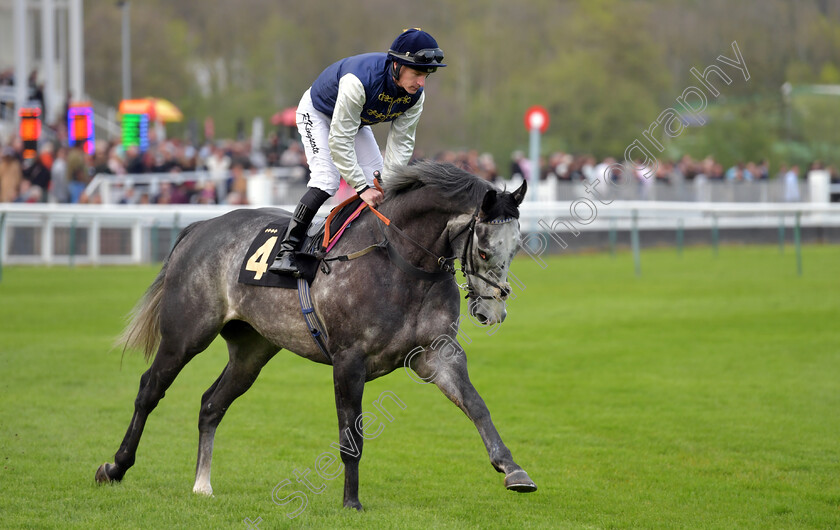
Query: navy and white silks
(334, 118)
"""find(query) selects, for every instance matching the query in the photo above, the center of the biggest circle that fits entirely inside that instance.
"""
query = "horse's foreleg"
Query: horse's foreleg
(450, 375)
(349, 380)
(249, 352)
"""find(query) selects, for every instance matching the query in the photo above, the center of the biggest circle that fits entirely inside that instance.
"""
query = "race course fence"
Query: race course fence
(51, 234)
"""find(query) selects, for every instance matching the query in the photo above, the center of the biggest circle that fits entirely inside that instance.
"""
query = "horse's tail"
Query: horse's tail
(143, 329)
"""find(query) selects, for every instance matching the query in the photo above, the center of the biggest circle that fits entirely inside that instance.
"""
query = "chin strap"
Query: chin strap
(395, 69)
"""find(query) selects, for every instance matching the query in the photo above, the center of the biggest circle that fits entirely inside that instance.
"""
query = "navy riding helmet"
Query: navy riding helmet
(416, 49)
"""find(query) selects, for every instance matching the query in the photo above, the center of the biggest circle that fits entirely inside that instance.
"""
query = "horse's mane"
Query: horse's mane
(452, 183)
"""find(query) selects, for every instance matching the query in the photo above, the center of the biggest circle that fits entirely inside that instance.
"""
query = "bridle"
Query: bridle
(446, 265)
(467, 260)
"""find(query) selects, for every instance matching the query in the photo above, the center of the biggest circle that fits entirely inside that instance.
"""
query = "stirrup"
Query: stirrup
(285, 263)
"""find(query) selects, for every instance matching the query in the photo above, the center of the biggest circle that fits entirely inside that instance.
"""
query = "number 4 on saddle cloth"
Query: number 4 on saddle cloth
(266, 245)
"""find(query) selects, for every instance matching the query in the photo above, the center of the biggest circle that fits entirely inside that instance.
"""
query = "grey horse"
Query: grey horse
(378, 317)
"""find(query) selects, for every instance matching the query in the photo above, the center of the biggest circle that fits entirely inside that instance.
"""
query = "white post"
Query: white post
(105, 191)
(19, 26)
(93, 240)
(257, 130)
(137, 242)
(48, 58)
(47, 239)
(77, 45)
(534, 144)
(534, 173)
(819, 186)
(819, 190)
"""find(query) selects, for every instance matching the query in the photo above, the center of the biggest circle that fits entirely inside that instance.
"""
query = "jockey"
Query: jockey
(334, 118)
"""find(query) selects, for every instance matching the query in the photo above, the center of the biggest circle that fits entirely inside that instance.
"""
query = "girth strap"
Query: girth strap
(313, 323)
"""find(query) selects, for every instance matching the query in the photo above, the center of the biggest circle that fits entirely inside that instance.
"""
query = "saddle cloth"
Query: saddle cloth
(266, 246)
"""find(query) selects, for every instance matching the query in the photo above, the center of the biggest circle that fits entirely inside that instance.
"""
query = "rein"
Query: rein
(447, 270)
(445, 265)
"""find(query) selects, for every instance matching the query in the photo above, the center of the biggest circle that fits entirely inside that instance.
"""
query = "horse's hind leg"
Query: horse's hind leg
(449, 373)
(249, 352)
(349, 375)
(171, 357)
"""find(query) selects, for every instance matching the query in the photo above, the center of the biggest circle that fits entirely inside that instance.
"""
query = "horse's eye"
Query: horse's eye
(482, 255)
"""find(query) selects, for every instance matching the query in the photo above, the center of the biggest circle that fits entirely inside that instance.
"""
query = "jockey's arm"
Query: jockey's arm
(346, 119)
(400, 144)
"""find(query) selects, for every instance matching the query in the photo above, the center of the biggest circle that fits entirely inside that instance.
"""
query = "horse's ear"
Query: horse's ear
(488, 202)
(519, 194)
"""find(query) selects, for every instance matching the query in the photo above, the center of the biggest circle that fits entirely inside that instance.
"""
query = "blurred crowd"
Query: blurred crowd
(567, 167)
(60, 174)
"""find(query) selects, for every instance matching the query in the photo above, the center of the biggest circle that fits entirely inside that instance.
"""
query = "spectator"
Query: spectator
(644, 178)
(741, 172)
(664, 172)
(164, 159)
(588, 167)
(129, 196)
(218, 165)
(293, 156)
(77, 173)
(557, 166)
(207, 194)
(100, 159)
(520, 166)
(487, 167)
(36, 91)
(238, 186)
(60, 188)
(134, 160)
(115, 161)
(763, 170)
(29, 193)
(11, 175)
(37, 177)
(791, 184)
(600, 173)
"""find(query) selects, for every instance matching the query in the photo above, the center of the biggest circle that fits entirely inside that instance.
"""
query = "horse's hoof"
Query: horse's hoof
(520, 481)
(205, 489)
(102, 476)
(356, 505)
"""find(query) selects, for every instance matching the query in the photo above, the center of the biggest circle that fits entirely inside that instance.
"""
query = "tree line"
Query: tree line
(605, 69)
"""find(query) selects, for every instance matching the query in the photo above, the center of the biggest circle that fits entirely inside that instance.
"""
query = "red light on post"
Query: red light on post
(536, 117)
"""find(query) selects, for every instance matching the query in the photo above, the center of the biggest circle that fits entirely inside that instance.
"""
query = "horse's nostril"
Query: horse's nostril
(482, 319)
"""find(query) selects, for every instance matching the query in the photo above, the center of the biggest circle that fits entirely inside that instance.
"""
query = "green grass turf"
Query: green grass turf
(704, 394)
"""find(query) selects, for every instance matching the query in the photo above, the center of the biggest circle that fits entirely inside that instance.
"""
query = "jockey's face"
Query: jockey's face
(411, 80)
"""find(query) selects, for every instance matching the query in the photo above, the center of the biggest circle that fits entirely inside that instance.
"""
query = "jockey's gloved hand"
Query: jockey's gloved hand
(372, 196)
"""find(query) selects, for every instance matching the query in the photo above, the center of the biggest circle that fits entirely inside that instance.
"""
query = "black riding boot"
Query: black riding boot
(285, 263)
